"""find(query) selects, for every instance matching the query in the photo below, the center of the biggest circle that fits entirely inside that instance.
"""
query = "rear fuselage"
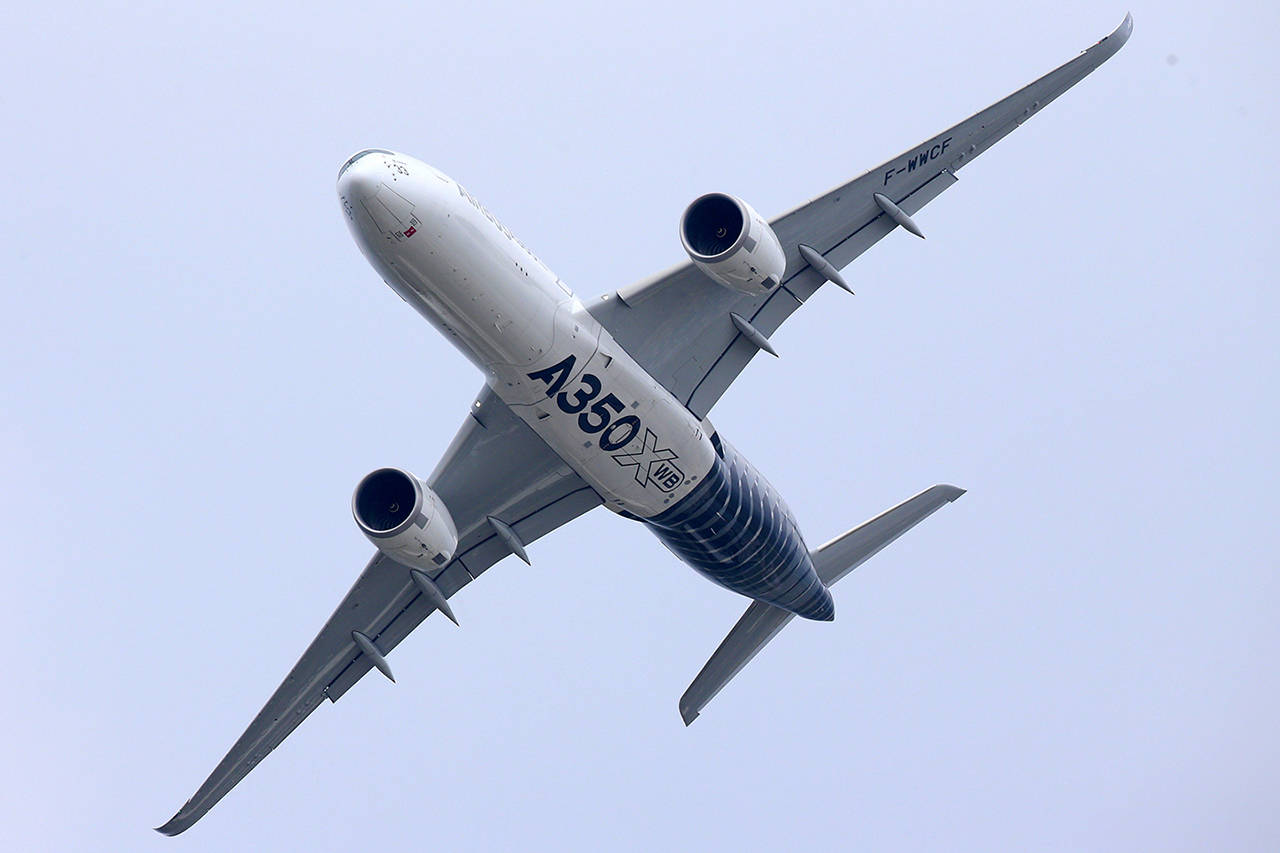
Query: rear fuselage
(563, 374)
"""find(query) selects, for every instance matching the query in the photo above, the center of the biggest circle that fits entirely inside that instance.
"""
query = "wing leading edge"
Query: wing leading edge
(496, 467)
(679, 324)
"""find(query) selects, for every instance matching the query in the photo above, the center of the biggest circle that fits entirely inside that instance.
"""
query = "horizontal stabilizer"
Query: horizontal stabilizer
(834, 560)
(846, 552)
(757, 626)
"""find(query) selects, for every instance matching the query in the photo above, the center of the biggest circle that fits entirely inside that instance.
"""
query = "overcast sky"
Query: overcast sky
(198, 366)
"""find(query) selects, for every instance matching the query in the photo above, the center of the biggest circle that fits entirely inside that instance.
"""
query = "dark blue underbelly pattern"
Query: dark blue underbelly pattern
(735, 529)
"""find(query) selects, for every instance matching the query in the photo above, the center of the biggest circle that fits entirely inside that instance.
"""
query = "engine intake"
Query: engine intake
(404, 518)
(730, 242)
(384, 500)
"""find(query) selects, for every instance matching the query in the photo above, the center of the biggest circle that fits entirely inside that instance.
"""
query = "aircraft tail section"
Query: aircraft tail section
(762, 622)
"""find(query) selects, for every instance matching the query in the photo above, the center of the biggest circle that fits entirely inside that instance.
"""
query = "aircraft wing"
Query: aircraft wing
(678, 324)
(496, 466)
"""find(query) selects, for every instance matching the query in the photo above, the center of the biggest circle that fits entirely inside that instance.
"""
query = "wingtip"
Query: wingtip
(688, 716)
(1121, 33)
(180, 822)
(171, 828)
(1126, 27)
(1110, 44)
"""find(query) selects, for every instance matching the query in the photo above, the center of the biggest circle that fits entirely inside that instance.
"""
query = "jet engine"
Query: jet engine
(732, 243)
(405, 519)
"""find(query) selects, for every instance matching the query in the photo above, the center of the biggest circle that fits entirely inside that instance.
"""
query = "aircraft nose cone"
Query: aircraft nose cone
(383, 197)
(360, 176)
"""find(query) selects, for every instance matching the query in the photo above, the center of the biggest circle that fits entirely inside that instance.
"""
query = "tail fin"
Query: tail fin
(834, 560)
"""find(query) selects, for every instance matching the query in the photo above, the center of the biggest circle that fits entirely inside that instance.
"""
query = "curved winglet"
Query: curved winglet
(1121, 33)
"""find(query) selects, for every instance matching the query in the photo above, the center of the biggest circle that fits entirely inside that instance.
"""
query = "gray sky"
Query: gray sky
(197, 367)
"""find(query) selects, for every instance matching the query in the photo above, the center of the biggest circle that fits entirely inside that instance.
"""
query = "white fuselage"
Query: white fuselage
(557, 368)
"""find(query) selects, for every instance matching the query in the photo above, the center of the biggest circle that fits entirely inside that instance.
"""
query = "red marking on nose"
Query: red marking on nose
(411, 232)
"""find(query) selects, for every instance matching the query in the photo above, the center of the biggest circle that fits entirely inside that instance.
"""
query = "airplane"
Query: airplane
(605, 403)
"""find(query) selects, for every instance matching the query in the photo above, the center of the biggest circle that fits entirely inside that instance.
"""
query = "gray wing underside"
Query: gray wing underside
(496, 466)
(677, 324)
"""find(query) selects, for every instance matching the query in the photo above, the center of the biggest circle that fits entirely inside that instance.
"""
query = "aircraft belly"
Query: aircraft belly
(542, 352)
(735, 530)
(499, 312)
(615, 425)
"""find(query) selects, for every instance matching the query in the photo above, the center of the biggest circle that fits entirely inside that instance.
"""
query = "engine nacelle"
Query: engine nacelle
(732, 243)
(405, 519)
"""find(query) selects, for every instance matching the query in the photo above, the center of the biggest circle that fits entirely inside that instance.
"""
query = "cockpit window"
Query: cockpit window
(359, 154)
